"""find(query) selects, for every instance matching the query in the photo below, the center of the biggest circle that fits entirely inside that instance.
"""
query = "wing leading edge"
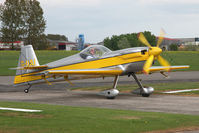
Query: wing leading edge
(109, 71)
(163, 68)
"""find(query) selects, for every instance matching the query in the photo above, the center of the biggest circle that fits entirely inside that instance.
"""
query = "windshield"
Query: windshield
(94, 51)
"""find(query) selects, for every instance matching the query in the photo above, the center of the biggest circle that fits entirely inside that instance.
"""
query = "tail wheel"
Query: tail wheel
(110, 97)
(26, 90)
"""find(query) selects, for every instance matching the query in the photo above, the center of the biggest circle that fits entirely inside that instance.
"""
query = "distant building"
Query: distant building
(62, 45)
(87, 45)
(189, 41)
(8, 45)
(181, 42)
(67, 45)
(167, 42)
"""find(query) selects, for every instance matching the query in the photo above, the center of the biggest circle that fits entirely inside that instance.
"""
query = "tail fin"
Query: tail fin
(27, 58)
(28, 66)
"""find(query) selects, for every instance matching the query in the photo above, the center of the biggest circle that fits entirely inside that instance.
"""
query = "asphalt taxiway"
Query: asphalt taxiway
(125, 101)
(60, 94)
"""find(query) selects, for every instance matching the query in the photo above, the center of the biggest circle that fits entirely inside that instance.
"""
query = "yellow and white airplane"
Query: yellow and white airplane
(94, 61)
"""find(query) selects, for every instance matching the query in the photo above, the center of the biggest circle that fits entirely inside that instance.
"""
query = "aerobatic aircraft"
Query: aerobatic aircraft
(94, 61)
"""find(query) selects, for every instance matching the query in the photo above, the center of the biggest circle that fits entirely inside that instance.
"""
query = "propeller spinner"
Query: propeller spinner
(154, 53)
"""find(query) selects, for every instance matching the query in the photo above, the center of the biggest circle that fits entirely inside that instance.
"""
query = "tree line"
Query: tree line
(128, 40)
(22, 20)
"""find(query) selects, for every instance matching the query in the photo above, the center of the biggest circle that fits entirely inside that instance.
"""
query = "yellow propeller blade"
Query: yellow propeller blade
(143, 39)
(160, 38)
(148, 64)
(163, 62)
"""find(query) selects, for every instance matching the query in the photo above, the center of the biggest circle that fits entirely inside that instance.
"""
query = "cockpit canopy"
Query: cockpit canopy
(94, 51)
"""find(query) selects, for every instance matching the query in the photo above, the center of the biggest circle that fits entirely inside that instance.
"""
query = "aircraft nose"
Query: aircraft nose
(155, 51)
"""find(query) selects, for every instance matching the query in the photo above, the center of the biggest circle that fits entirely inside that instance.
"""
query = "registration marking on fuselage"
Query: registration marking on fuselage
(20, 110)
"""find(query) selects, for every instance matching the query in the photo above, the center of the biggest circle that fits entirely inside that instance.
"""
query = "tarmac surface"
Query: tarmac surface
(125, 101)
(61, 95)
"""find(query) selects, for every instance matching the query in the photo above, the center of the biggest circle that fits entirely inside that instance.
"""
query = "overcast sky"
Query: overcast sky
(97, 19)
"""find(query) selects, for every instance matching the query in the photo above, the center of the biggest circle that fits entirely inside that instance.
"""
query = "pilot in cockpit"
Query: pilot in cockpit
(91, 53)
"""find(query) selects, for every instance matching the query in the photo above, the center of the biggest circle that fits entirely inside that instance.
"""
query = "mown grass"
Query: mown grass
(9, 59)
(190, 58)
(64, 119)
(159, 87)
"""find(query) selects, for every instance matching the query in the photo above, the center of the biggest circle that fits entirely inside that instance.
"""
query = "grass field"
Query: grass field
(190, 58)
(9, 59)
(63, 119)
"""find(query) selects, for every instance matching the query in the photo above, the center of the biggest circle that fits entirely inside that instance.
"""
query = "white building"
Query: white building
(62, 45)
(189, 41)
(8, 45)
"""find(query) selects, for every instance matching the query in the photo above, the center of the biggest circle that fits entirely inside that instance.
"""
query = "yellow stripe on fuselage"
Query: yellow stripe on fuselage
(95, 64)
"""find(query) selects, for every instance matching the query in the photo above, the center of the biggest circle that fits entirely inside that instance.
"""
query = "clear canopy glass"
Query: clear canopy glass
(94, 51)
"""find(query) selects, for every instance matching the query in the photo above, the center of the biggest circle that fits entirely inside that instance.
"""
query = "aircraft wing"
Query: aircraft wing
(109, 71)
(103, 71)
(163, 68)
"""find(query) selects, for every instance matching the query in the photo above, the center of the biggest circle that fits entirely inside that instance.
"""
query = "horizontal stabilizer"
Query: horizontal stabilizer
(29, 67)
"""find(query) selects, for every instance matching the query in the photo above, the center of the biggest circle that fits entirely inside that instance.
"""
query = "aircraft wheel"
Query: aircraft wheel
(145, 95)
(110, 97)
(26, 90)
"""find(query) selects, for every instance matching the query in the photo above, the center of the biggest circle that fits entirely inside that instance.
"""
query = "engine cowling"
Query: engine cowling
(110, 94)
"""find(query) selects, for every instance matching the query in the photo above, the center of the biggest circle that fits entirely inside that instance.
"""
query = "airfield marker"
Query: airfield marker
(20, 110)
(188, 90)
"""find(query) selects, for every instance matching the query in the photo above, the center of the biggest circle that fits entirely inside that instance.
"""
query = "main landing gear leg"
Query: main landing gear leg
(27, 90)
(112, 93)
(145, 92)
(115, 82)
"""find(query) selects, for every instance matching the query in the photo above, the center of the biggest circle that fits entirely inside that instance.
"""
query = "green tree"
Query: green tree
(107, 43)
(114, 42)
(1, 13)
(35, 24)
(1, 10)
(111, 43)
(123, 43)
(150, 38)
(57, 37)
(173, 47)
(132, 39)
(11, 23)
(22, 20)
